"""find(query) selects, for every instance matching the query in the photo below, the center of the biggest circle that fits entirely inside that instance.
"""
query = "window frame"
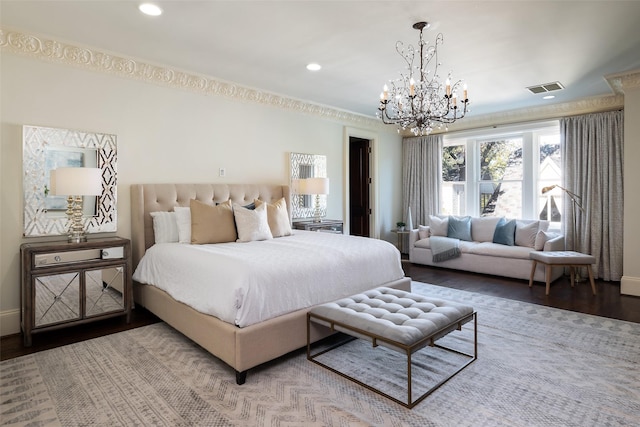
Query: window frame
(531, 134)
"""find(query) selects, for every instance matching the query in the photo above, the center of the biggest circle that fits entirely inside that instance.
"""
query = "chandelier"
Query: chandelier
(422, 102)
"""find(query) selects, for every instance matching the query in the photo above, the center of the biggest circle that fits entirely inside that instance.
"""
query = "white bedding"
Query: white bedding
(246, 283)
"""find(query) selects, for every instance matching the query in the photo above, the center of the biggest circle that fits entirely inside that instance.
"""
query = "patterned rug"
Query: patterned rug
(537, 366)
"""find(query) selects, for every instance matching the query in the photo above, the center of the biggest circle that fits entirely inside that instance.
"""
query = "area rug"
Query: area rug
(537, 366)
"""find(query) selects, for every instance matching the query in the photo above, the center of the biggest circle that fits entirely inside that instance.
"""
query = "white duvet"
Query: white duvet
(246, 283)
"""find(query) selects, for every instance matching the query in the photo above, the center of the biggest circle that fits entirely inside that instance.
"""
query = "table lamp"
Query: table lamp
(76, 183)
(315, 186)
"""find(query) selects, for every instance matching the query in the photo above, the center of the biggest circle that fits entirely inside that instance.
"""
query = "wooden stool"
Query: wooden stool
(569, 259)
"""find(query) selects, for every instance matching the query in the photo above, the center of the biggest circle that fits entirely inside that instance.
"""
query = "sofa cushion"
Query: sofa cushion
(541, 239)
(482, 228)
(497, 250)
(438, 226)
(526, 233)
(459, 228)
(505, 233)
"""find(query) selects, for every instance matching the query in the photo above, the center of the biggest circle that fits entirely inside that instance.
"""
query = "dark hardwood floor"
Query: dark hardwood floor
(608, 303)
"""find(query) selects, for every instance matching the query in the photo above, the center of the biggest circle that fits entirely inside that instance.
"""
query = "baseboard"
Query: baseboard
(9, 322)
(630, 286)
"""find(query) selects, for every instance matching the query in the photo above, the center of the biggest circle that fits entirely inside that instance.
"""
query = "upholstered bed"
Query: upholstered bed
(243, 340)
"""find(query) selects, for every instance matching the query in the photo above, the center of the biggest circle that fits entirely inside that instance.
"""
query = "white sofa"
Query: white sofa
(482, 255)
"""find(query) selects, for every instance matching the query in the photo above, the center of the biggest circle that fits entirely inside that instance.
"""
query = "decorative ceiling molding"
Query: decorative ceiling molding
(546, 112)
(96, 60)
(621, 81)
(59, 52)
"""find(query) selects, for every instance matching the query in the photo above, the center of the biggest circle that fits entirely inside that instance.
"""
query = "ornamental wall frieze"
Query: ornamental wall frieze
(95, 60)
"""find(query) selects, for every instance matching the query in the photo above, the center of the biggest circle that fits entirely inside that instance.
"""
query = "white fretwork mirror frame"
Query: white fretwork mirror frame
(36, 141)
(306, 166)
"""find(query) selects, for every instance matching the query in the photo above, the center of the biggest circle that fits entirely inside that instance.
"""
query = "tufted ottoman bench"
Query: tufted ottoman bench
(398, 320)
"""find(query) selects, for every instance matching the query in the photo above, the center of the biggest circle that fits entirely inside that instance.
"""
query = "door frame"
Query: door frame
(374, 230)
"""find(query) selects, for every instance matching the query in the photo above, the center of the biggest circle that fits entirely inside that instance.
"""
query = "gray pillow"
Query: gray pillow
(459, 228)
(505, 233)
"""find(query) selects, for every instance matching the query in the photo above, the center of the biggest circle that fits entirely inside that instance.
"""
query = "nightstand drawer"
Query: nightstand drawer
(66, 257)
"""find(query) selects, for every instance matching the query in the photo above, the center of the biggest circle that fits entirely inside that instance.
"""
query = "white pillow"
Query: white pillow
(278, 217)
(439, 226)
(541, 239)
(526, 234)
(252, 224)
(165, 227)
(183, 220)
(423, 231)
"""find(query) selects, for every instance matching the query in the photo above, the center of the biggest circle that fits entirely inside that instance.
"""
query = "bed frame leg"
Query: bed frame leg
(241, 377)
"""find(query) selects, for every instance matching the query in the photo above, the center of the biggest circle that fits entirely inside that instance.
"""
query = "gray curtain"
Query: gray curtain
(592, 152)
(421, 172)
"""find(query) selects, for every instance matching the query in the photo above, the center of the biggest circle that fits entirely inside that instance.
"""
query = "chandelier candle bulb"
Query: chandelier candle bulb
(448, 83)
(464, 88)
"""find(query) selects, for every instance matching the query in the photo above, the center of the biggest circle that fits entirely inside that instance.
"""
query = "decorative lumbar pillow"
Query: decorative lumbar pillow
(165, 227)
(212, 224)
(526, 233)
(278, 217)
(252, 224)
(183, 221)
(505, 233)
(438, 226)
(541, 239)
(459, 228)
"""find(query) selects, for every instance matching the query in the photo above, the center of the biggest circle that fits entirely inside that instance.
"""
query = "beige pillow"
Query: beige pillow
(278, 217)
(252, 223)
(212, 224)
(526, 233)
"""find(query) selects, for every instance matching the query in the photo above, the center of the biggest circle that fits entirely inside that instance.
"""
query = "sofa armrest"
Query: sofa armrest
(554, 244)
(414, 236)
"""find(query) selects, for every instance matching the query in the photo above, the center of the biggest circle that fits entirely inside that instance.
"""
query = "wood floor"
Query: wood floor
(608, 303)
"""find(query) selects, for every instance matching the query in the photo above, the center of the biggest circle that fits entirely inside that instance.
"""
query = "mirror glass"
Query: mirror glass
(306, 166)
(103, 290)
(45, 149)
(57, 298)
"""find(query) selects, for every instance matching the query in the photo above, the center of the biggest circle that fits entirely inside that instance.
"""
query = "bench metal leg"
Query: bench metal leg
(593, 285)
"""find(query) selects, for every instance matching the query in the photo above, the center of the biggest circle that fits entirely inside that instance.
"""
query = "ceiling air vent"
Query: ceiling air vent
(547, 87)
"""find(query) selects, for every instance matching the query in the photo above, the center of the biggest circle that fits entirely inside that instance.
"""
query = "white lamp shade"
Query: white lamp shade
(76, 181)
(314, 186)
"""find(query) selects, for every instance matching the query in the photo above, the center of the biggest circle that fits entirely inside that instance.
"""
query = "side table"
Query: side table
(326, 225)
(402, 240)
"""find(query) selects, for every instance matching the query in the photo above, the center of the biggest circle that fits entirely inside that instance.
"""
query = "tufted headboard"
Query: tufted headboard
(147, 198)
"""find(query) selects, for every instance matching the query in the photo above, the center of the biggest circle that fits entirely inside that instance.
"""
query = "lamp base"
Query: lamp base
(77, 238)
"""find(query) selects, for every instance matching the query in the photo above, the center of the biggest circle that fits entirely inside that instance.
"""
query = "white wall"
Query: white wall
(164, 135)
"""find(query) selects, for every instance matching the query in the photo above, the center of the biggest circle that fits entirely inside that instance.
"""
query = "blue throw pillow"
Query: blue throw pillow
(459, 228)
(505, 233)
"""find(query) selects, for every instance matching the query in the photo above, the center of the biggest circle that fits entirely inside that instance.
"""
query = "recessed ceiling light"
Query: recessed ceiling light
(150, 9)
(548, 97)
(313, 67)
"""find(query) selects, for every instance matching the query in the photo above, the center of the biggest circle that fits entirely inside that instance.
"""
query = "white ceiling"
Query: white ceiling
(498, 47)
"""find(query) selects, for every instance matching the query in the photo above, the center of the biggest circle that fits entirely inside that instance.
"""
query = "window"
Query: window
(503, 173)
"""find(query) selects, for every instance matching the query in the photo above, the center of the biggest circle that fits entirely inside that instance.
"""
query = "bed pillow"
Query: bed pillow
(212, 224)
(165, 227)
(183, 222)
(505, 233)
(277, 216)
(526, 234)
(459, 228)
(438, 226)
(252, 224)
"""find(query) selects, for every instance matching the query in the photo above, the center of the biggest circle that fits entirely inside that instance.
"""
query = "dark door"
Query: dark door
(359, 184)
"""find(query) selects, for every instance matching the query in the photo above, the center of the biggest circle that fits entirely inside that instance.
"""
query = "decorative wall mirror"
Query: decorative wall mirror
(306, 166)
(45, 149)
